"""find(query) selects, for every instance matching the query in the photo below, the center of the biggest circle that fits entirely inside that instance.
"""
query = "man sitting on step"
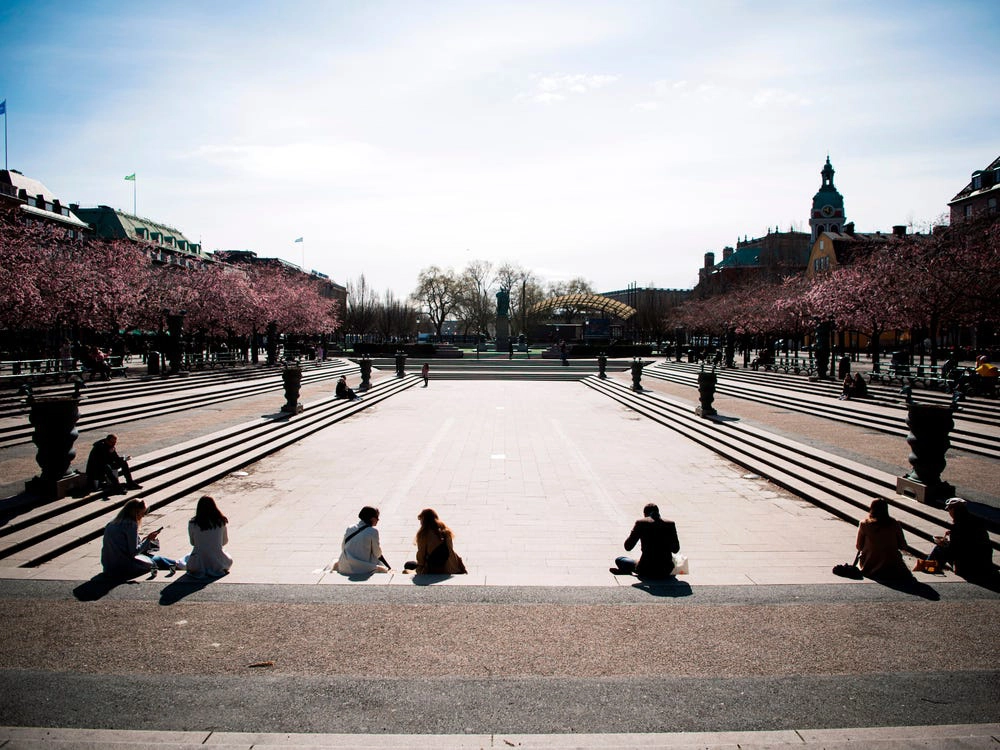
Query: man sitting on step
(103, 465)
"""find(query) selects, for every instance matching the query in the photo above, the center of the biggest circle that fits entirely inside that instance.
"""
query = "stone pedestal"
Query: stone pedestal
(929, 426)
(400, 364)
(54, 419)
(602, 365)
(366, 373)
(706, 394)
(637, 366)
(503, 335)
(292, 379)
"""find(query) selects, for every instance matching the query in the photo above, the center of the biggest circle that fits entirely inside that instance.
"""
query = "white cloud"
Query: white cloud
(779, 97)
(553, 88)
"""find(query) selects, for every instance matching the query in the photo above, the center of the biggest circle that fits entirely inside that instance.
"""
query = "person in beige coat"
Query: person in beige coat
(435, 550)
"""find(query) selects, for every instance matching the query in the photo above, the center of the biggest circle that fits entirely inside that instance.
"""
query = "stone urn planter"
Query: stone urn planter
(54, 419)
(637, 366)
(706, 394)
(366, 373)
(400, 364)
(291, 376)
(602, 365)
(930, 425)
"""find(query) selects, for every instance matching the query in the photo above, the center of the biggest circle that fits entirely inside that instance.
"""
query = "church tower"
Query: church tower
(827, 213)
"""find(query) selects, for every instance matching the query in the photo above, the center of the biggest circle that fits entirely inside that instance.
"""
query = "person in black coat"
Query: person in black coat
(103, 465)
(343, 391)
(659, 541)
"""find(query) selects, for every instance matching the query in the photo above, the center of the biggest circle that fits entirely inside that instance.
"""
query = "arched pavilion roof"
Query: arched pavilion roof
(586, 302)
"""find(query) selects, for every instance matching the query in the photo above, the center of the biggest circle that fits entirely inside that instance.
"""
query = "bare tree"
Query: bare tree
(476, 308)
(362, 307)
(526, 290)
(573, 286)
(396, 319)
(436, 293)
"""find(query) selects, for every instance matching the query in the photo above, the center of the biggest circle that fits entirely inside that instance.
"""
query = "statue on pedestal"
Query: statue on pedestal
(503, 303)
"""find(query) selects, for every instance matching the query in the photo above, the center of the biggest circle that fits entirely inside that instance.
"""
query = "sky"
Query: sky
(613, 141)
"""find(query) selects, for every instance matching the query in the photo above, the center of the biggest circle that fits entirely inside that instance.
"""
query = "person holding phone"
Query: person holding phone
(123, 555)
(103, 465)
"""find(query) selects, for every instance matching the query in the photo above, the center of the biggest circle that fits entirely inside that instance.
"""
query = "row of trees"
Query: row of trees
(926, 285)
(466, 297)
(469, 297)
(84, 288)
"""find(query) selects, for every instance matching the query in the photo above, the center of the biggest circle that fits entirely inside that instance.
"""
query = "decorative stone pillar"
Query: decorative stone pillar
(272, 343)
(366, 373)
(843, 367)
(706, 394)
(400, 364)
(291, 376)
(637, 366)
(175, 352)
(822, 349)
(602, 365)
(928, 439)
(729, 350)
(54, 419)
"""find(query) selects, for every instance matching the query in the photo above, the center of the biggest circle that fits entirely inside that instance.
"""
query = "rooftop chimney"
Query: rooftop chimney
(899, 230)
(709, 260)
(727, 253)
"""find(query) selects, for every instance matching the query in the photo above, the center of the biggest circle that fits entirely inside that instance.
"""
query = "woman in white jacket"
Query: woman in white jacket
(360, 552)
(208, 532)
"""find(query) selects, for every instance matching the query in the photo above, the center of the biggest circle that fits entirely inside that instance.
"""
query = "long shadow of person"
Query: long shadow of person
(183, 586)
(988, 581)
(910, 586)
(429, 579)
(100, 586)
(667, 587)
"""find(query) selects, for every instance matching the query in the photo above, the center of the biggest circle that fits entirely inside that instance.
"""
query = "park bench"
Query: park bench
(116, 364)
(795, 364)
(194, 361)
(18, 371)
(225, 359)
(892, 373)
(931, 377)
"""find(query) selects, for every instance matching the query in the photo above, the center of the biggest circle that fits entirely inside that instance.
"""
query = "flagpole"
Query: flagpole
(134, 213)
(302, 241)
(4, 103)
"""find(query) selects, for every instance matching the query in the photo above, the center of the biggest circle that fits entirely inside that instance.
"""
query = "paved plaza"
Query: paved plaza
(540, 482)
(539, 645)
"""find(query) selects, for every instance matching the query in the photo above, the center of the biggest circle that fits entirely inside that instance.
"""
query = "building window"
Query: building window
(991, 206)
(977, 182)
(821, 244)
(968, 210)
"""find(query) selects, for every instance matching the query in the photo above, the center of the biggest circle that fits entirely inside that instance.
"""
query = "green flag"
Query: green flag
(130, 177)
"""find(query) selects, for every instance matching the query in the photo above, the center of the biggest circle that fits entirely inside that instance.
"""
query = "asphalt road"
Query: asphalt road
(367, 660)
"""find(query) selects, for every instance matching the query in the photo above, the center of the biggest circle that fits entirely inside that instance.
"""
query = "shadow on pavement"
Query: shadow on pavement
(668, 587)
(99, 586)
(910, 586)
(183, 586)
(429, 579)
